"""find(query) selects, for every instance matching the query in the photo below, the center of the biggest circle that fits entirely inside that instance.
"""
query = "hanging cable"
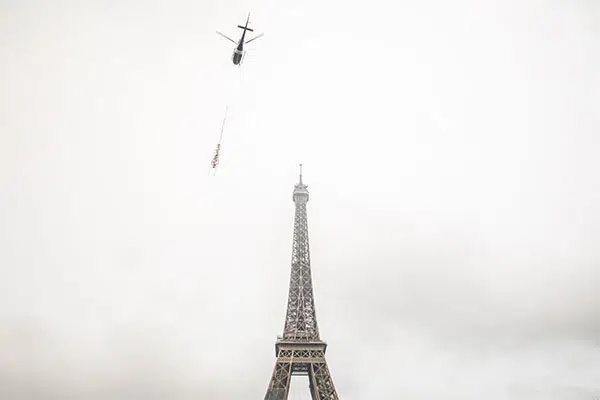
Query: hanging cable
(215, 160)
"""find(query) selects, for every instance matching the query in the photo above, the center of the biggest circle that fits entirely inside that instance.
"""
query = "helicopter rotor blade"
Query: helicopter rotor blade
(254, 38)
(226, 37)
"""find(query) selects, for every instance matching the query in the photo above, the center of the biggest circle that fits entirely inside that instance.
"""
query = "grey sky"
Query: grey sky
(450, 149)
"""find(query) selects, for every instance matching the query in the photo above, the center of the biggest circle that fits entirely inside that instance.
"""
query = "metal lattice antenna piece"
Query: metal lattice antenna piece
(300, 350)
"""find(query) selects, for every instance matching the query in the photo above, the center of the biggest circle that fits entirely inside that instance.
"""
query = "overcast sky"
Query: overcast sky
(451, 152)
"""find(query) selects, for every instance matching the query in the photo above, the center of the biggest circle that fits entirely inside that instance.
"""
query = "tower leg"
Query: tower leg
(321, 383)
(280, 381)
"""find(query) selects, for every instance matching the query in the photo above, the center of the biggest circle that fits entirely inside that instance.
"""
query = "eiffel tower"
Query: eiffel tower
(301, 351)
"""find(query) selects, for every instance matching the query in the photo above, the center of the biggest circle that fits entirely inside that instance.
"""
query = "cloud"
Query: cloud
(450, 151)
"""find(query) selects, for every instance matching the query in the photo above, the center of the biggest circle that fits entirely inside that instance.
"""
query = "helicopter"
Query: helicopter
(238, 52)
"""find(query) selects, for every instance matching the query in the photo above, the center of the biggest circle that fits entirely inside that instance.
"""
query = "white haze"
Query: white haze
(451, 153)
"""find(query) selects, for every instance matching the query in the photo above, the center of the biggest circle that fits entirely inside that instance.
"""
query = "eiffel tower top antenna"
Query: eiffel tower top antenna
(300, 191)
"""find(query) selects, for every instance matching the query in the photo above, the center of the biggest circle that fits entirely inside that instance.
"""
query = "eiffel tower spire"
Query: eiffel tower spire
(301, 320)
(300, 350)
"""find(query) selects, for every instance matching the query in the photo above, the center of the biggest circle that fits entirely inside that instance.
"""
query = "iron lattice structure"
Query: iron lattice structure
(300, 350)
